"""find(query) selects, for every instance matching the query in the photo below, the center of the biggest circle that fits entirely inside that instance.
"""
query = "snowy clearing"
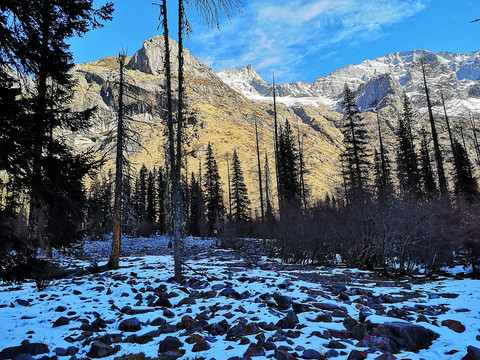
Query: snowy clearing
(230, 307)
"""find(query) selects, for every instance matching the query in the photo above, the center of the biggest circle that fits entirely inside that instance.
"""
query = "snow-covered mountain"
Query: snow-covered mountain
(451, 72)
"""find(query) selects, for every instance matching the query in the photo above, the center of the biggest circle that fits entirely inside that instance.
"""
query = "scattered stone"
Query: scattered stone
(130, 325)
(201, 345)
(100, 350)
(312, 354)
(357, 355)
(326, 306)
(254, 350)
(339, 313)
(162, 302)
(169, 343)
(283, 302)
(61, 321)
(60, 308)
(158, 321)
(100, 323)
(89, 328)
(448, 295)
(454, 325)
(25, 348)
(410, 337)
(281, 354)
(326, 318)
(269, 345)
(230, 293)
(60, 351)
(237, 331)
(358, 331)
(473, 353)
(334, 344)
(300, 308)
(187, 301)
(289, 321)
(349, 323)
(331, 353)
(22, 302)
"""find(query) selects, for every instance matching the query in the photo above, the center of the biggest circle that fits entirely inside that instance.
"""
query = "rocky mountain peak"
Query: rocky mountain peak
(246, 81)
(379, 91)
(150, 59)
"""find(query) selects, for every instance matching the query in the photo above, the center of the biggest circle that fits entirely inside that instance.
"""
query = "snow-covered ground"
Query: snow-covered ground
(229, 302)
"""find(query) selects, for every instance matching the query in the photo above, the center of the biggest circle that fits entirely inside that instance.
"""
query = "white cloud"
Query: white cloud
(279, 37)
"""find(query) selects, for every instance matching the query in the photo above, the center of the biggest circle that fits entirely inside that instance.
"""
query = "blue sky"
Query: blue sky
(299, 40)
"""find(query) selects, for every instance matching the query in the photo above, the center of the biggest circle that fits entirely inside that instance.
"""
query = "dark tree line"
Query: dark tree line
(395, 214)
(35, 87)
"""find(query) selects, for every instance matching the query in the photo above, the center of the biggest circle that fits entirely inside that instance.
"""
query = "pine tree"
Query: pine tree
(33, 39)
(355, 156)
(240, 201)
(150, 210)
(465, 183)
(383, 178)
(140, 195)
(407, 161)
(430, 190)
(196, 222)
(214, 207)
(288, 171)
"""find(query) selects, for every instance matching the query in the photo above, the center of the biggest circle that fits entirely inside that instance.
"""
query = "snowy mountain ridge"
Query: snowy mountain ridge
(454, 72)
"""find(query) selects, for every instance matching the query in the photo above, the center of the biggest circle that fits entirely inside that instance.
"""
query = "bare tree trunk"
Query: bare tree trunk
(229, 189)
(114, 261)
(36, 216)
(450, 135)
(438, 154)
(302, 181)
(277, 173)
(176, 197)
(382, 152)
(259, 173)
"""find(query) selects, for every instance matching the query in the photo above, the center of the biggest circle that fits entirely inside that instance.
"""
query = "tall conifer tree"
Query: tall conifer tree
(240, 201)
(407, 161)
(355, 157)
(288, 165)
(214, 206)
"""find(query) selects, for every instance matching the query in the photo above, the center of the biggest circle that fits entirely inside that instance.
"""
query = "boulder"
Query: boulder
(25, 348)
(201, 345)
(454, 325)
(312, 354)
(407, 336)
(254, 350)
(473, 353)
(386, 356)
(130, 325)
(169, 343)
(357, 355)
(100, 350)
(283, 302)
(237, 331)
(289, 321)
(61, 321)
(300, 308)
